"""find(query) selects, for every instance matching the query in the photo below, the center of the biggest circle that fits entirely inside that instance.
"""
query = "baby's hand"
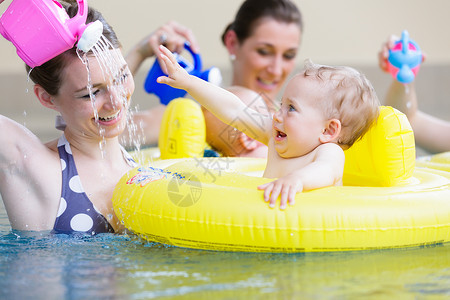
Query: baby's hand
(177, 76)
(285, 187)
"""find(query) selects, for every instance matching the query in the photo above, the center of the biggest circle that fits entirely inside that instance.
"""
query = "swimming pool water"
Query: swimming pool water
(107, 266)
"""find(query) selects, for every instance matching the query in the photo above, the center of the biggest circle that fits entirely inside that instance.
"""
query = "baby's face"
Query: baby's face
(299, 123)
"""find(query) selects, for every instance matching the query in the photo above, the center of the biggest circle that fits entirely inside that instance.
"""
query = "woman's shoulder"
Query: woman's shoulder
(256, 101)
(52, 145)
(242, 92)
(22, 143)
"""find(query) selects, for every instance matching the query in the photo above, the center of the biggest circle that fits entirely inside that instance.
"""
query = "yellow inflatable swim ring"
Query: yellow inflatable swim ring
(213, 203)
(219, 210)
(439, 161)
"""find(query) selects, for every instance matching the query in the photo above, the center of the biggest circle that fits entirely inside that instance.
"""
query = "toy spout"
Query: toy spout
(87, 35)
(404, 59)
(405, 41)
(90, 36)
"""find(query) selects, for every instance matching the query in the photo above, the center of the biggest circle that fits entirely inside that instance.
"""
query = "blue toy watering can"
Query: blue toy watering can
(167, 93)
(404, 59)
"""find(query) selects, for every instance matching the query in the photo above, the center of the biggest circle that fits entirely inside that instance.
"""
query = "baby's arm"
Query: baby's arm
(225, 105)
(326, 170)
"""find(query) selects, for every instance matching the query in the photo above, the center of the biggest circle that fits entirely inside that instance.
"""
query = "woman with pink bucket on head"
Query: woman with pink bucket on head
(66, 185)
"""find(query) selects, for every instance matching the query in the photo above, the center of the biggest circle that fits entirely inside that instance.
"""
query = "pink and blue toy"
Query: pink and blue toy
(41, 29)
(404, 59)
(167, 93)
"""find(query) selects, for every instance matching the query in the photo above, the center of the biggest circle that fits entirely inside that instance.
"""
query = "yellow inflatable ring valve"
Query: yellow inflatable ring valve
(183, 130)
(190, 204)
(439, 161)
(385, 156)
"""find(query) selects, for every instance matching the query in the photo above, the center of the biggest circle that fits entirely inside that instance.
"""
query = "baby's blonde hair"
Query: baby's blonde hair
(349, 97)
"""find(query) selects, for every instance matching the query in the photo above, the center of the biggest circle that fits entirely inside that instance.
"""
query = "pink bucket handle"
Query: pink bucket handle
(77, 24)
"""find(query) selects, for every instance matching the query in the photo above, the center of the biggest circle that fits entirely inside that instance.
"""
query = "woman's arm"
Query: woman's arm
(225, 105)
(431, 133)
(30, 178)
(148, 122)
(403, 97)
(226, 139)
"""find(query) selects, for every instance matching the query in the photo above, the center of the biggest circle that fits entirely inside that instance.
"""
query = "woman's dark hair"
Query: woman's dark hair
(251, 11)
(48, 75)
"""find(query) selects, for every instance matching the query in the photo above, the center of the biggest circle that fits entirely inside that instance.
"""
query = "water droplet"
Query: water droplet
(111, 63)
(406, 88)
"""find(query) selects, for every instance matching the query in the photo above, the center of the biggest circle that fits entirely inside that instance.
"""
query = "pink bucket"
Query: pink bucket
(41, 29)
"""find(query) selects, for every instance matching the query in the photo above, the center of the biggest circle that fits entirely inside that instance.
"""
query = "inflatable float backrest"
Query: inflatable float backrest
(183, 130)
(385, 156)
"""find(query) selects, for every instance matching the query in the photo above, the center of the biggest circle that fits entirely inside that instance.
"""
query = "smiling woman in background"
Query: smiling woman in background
(262, 43)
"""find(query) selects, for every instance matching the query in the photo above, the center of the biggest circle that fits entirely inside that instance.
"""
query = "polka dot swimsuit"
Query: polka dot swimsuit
(76, 212)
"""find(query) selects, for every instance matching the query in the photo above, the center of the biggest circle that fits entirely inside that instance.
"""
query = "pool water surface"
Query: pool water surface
(107, 266)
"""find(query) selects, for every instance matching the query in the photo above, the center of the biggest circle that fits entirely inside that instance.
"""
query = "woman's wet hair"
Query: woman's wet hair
(49, 74)
(252, 11)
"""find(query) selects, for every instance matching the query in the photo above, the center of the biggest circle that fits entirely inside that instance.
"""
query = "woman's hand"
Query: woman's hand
(383, 54)
(172, 35)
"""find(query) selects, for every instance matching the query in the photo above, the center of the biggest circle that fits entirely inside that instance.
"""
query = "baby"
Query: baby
(324, 110)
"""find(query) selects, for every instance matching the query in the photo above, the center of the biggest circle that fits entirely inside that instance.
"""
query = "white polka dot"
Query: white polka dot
(63, 165)
(62, 206)
(75, 184)
(81, 222)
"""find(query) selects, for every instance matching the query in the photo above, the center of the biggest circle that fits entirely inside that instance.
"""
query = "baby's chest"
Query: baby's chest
(278, 166)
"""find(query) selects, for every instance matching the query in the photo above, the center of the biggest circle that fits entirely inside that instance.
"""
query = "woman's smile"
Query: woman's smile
(267, 84)
(111, 119)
